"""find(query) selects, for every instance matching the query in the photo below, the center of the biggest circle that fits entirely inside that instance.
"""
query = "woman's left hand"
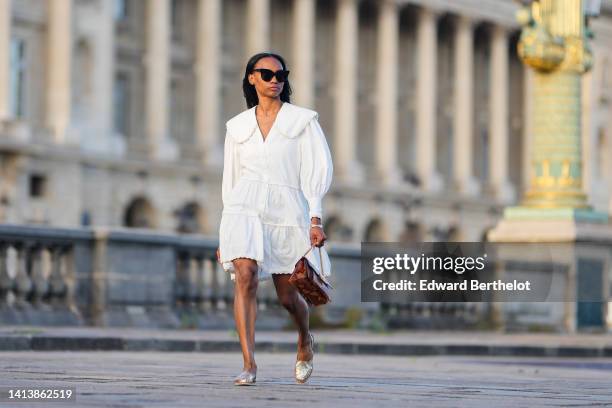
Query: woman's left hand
(317, 236)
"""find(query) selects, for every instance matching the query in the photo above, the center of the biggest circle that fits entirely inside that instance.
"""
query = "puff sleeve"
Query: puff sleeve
(316, 167)
(231, 167)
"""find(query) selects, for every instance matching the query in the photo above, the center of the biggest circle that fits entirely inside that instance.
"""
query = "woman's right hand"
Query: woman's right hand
(218, 256)
(317, 236)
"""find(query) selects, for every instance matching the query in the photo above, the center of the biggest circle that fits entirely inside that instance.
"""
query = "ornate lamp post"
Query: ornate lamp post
(554, 225)
(555, 43)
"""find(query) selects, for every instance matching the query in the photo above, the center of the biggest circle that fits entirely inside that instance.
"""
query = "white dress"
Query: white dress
(271, 188)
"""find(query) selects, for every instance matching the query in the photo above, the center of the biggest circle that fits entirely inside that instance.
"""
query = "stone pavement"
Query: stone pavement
(405, 343)
(186, 379)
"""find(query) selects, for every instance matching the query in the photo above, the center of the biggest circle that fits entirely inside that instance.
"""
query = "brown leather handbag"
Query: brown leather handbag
(312, 286)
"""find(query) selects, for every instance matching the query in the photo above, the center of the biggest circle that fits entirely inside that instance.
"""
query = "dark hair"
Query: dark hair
(250, 94)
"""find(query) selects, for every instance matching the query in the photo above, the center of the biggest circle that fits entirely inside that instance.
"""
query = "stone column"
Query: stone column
(386, 84)
(5, 57)
(104, 81)
(345, 132)
(158, 80)
(59, 56)
(499, 121)
(463, 157)
(208, 80)
(258, 26)
(302, 71)
(426, 100)
(528, 126)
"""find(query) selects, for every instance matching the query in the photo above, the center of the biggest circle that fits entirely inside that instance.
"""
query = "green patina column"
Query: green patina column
(554, 225)
(554, 43)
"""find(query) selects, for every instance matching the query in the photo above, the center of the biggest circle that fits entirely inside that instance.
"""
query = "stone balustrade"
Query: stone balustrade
(146, 278)
(132, 277)
(37, 276)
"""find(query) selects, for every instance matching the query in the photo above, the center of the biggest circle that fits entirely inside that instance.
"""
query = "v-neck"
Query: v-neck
(264, 139)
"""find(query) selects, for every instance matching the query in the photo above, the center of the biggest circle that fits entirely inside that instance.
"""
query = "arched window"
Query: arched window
(412, 233)
(190, 218)
(335, 230)
(140, 214)
(375, 231)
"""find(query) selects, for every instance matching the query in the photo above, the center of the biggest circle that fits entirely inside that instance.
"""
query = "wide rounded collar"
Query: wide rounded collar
(290, 121)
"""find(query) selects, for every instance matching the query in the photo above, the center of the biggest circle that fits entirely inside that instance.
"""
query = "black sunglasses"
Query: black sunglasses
(267, 74)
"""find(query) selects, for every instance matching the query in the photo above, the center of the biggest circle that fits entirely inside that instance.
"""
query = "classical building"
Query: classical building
(112, 112)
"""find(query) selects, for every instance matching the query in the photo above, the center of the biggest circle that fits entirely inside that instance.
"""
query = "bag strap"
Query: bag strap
(321, 263)
(321, 275)
(309, 249)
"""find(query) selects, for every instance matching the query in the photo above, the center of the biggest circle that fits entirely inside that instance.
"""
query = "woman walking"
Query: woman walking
(277, 168)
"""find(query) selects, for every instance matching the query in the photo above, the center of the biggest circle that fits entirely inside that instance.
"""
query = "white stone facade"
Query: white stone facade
(112, 112)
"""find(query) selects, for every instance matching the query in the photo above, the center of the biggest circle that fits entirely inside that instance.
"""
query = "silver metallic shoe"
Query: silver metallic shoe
(303, 368)
(245, 378)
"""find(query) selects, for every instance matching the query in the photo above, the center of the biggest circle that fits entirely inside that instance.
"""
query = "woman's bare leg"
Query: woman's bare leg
(297, 307)
(245, 308)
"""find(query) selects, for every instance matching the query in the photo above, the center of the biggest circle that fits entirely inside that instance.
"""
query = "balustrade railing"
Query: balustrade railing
(37, 276)
(132, 277)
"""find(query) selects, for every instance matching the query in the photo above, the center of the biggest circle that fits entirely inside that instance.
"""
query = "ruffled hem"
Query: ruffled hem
(275, 248)
(260, 276)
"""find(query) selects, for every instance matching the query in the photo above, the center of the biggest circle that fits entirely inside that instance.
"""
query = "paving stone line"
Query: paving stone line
(109, 343)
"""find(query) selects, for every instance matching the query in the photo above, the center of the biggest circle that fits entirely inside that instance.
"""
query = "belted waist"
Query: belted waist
(264, 179)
